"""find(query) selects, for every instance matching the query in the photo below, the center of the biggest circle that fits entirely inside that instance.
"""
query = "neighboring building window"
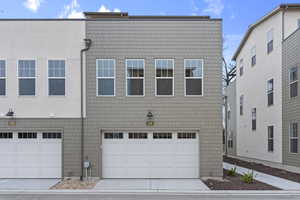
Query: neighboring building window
(186, 135)
(105, 70)
(27, 135)
(52, 135)
(294, 137)
(270, 92)
(56, 77)
(26, 76)
(6, 135)
(270, 41)
(253, 56)
(253, 119)
(230, 140)
(270, 138)
(135, 69)
(241, 67)
(113, 135)
(298, 21)
(2, 78)
(164, 76)
(293, 82)
(228, 115)
(162, 135)
(241, 104)
(137, 135)
(193, 69)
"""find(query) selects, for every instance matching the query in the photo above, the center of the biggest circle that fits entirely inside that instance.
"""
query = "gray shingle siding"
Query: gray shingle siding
(149, 40)
(291, 107)
(71, 138)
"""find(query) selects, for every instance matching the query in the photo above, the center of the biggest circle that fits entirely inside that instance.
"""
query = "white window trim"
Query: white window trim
(114, 77)
(202, 78)
(173, 60)
(126, 78)
(35, 77)
(290, 83)
(290, 129)
(56, 78)
(4, 77)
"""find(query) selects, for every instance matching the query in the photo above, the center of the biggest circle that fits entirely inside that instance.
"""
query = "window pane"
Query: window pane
(135, 68)
(106, 87)
(294, 145)
(56, 86)
(294, 89)
(270, 85)
(293, 74)
(164, 87)
(193, 86)
(270, 99)
(2, 68)
(105, 68)
(26, 86)
(56, 68)
(193, 68)
(135, 87)
(164, 68)
(294, 130)
(26, 68)
(2, 87)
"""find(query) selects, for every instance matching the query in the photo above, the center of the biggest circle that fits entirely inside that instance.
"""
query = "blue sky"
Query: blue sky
(237, 14)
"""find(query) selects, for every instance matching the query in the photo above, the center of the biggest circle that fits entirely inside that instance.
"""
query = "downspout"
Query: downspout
(88, 43)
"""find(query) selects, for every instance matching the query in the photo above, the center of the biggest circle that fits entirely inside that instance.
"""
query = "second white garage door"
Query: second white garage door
(150, 155)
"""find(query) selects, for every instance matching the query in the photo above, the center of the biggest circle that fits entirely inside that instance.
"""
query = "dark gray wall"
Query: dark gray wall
(71, 138)
(291, 107)
(121, 39)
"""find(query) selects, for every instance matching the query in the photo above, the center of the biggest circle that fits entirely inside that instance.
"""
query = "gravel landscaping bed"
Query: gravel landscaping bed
(74, 184)
(264, 169)
(235, 183)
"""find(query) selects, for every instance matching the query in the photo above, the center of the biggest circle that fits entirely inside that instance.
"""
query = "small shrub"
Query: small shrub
(248, 177)
(232, 172)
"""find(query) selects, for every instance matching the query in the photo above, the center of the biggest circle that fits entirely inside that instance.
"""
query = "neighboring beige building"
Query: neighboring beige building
(259, 86)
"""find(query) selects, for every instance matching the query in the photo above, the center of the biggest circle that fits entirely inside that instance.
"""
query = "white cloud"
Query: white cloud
(214, 7)
(71, 10)
(33, 5)
(103, 8)
(231, 42)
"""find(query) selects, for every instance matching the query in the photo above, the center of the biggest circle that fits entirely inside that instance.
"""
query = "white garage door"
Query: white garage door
(150, 155)
(30, 155)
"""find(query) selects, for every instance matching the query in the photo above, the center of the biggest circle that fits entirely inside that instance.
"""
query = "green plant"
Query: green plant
(248, 177)
(232, 172)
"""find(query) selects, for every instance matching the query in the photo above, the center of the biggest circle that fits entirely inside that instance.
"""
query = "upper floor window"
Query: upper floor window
(26, 76)
(253, 56)
(293, 73)
(164, 77)
(56, 77)
(241, 104)
(135, 77)
(193, 69)
(241, 67)
(2, 78)
(270, 92)
(294, 137)
(270, 41)
(270, 138)
(253, 119)
(105, 71)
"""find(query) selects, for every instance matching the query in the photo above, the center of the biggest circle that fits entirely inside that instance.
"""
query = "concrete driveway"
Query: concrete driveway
(151, 185)
(27, 184)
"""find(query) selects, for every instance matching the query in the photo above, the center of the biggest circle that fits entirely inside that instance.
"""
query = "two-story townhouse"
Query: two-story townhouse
(152, 97)
(259, 87)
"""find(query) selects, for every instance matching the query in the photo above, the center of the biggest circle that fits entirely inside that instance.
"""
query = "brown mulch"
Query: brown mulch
(235, 183)
(74, 184)
(263, 168)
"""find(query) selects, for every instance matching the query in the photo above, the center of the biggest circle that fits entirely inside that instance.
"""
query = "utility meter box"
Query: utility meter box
(86, 164)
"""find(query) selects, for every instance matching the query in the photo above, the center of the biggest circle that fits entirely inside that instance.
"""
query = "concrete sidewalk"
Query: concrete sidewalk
(281, 183)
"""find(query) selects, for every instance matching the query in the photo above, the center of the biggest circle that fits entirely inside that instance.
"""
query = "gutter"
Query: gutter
(88, 43)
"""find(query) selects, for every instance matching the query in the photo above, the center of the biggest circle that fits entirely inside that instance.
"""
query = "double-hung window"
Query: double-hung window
(56, 77)
(193, 69)
(105, 70)
(241, 67)
(270, 138)
(294, 137)
(270, 41)
(253, 56)
(241, 104)
(135, 69)
(293, 82)
(253, 119)
(27, 76)
(270, 92)
(2, 78)
(164, 77)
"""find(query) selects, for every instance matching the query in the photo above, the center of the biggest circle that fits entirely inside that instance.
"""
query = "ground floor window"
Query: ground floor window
(270, 138)
(294, 137)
